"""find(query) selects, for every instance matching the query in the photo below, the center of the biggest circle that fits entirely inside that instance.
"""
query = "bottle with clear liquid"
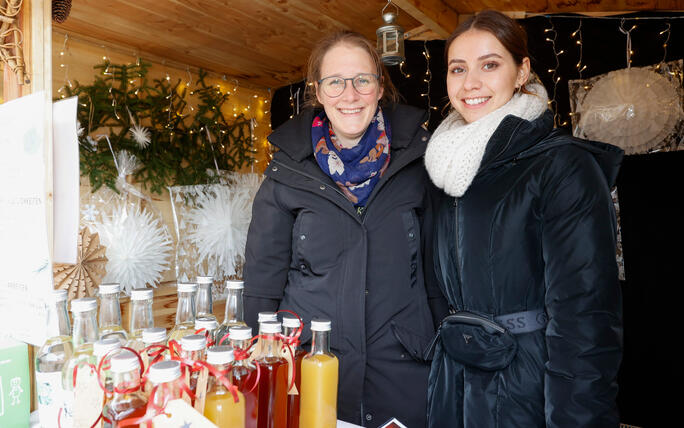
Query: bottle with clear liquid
(244, 373)
(51, 359)
(110, 313)
(141, 316)
(290, 326)
(204, 303)
(165, 376)
(194, 347)
(210, 326)
(320, 371)
(84, 333)
(234, 312)
(185, 312)
(128, 401)
(273, 378)
(220, 406)
(104, 348)
(155, 336)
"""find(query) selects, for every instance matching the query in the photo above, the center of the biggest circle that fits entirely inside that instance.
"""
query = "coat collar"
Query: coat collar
(294, 136)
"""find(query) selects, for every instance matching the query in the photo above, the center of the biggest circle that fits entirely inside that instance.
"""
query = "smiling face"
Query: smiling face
(482, 75)
(351, 112)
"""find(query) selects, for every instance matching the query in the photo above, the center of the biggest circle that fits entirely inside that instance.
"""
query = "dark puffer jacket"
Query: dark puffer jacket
(536, 230)
(309, 251)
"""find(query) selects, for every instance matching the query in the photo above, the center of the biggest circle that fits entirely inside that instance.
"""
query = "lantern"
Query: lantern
(390, 37)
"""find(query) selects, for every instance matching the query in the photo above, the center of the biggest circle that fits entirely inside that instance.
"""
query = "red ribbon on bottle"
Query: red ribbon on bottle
(205, 332)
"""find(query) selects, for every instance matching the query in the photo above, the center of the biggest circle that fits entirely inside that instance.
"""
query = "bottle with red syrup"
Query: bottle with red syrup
(129, 401)
(244, 372)
(290, 327)
(272, 379)
(194, 347)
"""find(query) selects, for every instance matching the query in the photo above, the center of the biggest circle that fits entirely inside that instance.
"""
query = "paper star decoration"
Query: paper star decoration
(82, 278)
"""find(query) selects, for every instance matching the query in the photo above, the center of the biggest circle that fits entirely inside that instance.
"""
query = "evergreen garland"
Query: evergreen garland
(185, 146)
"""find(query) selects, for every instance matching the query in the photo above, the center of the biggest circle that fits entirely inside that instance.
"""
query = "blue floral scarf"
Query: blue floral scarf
(358, 169)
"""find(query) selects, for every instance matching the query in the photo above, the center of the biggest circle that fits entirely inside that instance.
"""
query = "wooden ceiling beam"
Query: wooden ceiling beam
(434, 14)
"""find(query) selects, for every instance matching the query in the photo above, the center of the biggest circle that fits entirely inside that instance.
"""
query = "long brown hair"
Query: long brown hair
(506, 30)
(350, 38)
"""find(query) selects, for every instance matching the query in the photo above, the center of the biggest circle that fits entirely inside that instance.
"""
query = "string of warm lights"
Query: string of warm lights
(628, 50)
(553, 104)
(64, 64)
(667, 39)
(427, 79)
(578, 33)
(401, 69)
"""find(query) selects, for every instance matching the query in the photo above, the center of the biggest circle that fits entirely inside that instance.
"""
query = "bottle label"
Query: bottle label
(51, 398)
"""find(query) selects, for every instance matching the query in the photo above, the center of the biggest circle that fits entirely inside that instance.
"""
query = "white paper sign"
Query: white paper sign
(25, 266)
(65, 180)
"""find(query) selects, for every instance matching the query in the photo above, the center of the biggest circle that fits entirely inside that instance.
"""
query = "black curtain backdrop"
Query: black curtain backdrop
(649, 188)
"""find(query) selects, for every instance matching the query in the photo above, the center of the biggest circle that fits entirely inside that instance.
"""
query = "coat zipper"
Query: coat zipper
(457, 256)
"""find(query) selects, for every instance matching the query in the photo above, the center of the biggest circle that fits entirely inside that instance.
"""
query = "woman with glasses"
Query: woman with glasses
(340, 230)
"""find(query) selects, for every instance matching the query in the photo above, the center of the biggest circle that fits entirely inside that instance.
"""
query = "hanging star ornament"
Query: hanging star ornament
(83, 278)
(140, 134)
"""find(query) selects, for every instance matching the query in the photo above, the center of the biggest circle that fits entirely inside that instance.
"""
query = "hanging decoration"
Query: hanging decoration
(553, 104)
(390, 36)
(60, 10)
(427, 79)
(638, 109)
(83, 278)
(211, 226)
(175, 144)
(11, 52)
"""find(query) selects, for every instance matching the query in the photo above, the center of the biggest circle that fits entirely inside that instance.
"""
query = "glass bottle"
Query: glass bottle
(165, 377)
(234, 313)
(141, 316)
(103, 348)
(319, 381)
(110, 313)
(261, 318)
(273, 379)
(51, 359)
(84, 334)
(204, 304)
(194, 347)
(185, 312)
(220, 406)
(244, 372)
(210, 326)
(290, 327)
(128, 400)
(155, 336)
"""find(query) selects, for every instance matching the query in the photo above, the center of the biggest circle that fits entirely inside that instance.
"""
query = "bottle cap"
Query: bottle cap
(102, 346)
(124, 361)
(267, 316)
(83, 305)
(270, 327)
(59, 295)
(142, 294)
(205, 279)
(240, 332)
(321, 325)
(291, 322)
(111, 288)
(187, 287)
(193, 342)
(232, 284)
(208, 323)
(154, 335)
(220, 355)
(164, 371)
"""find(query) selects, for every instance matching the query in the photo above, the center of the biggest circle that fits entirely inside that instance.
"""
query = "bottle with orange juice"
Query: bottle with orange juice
(220, 406)
(318, 401)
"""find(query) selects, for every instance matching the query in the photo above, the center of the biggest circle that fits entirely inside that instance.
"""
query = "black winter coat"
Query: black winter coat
(309, 251)
(535, 230)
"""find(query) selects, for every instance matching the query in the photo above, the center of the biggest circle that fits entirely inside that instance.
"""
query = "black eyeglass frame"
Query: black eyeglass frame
(377, 77)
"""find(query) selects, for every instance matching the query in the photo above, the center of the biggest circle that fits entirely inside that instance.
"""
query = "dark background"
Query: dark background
(651, 376)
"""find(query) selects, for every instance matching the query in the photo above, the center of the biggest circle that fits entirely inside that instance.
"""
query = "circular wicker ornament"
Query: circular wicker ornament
(83, 278)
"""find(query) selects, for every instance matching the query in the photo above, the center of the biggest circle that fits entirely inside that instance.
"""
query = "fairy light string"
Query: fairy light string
(63, 57)
(667, 32)
(551, 37)
(628, 49)
(427, 79)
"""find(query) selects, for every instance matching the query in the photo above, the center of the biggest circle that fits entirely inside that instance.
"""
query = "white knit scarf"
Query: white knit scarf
(456, 148)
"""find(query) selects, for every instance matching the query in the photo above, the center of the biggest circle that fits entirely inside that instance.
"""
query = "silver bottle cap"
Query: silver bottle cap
(102, 346)
(164, 371)
(321, 325)
(232, 284)
(83, 305)
(154, 335)
(220, 355)
(111, 288)
(142, 294)
(187, 287)
(124, 361)
(240, 333)
(193, 342)
(271, 327)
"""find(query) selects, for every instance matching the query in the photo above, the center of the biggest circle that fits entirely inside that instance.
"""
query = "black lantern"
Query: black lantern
(390, 37)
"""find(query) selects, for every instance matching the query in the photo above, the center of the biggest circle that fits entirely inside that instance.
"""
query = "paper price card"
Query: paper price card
(179, 414)
(88, 399)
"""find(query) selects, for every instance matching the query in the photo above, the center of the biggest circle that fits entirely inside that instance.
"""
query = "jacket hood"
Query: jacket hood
(294, 136)
(517, 138)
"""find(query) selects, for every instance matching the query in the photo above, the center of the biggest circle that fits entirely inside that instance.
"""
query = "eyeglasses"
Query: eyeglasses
(364, 84)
